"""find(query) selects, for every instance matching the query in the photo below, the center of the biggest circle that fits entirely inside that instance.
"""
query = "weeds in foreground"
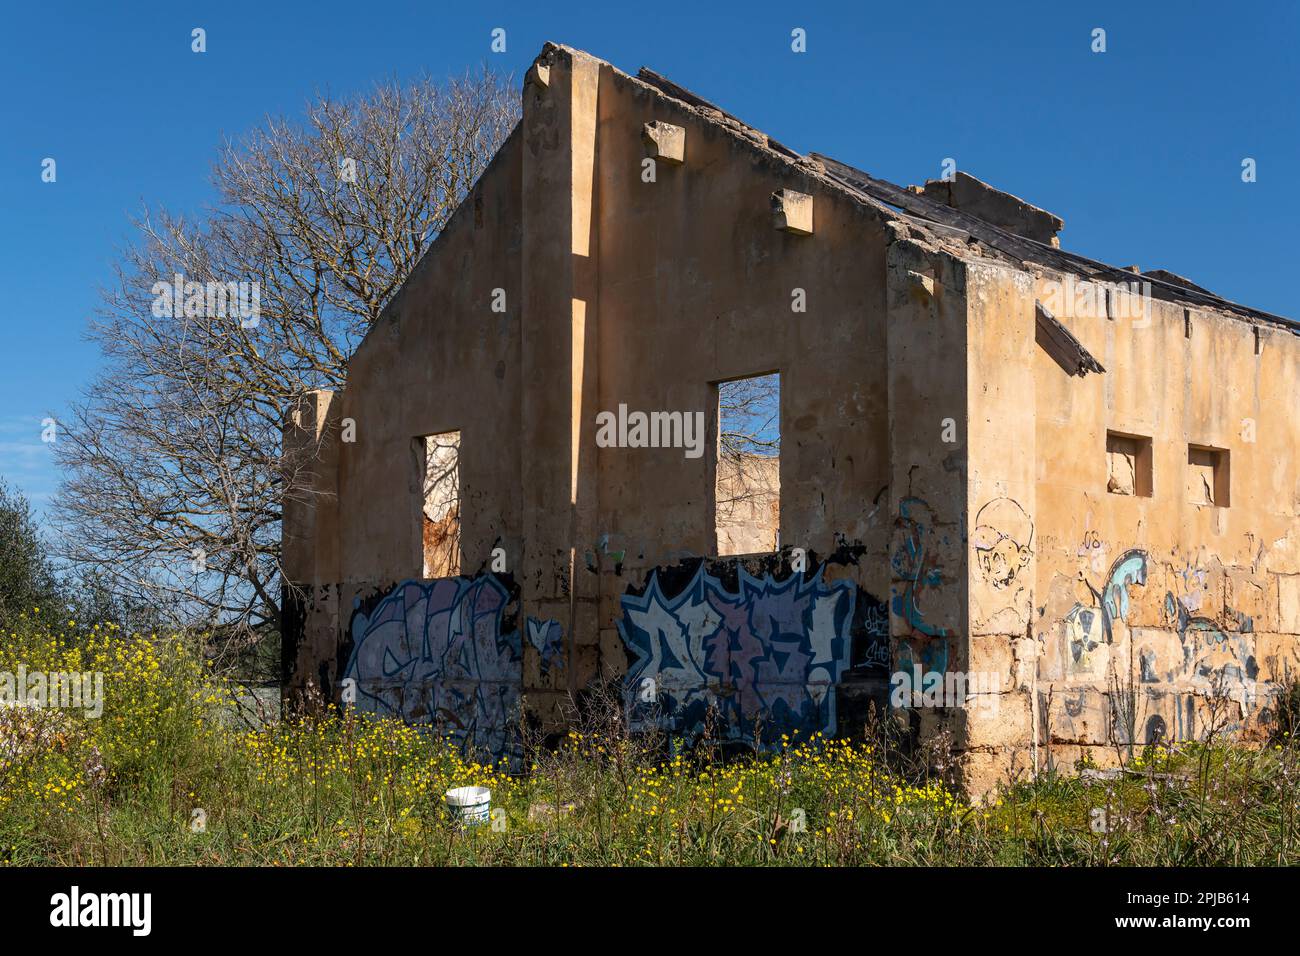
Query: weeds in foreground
(161, 778)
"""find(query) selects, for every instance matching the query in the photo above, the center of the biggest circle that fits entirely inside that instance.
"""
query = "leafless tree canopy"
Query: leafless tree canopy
(749, 411)
(172, 488)
(749, 416)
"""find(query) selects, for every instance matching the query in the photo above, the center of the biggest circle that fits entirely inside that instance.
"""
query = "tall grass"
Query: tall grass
(164, 777)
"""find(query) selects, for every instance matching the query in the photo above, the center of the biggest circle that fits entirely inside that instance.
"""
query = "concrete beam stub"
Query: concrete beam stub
(792, 212)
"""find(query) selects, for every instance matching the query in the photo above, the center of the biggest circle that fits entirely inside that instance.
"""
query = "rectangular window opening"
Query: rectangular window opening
(1208, 476)
(1128, 464)
(438, 471)
(747, 486)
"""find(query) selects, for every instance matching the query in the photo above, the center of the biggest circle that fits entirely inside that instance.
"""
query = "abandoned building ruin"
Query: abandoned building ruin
(996, 458)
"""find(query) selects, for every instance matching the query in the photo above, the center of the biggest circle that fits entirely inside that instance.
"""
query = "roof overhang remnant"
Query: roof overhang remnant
(1059, 342)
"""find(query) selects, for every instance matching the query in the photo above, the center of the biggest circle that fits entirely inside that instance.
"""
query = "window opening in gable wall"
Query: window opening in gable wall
(438, 473)
(747, 486)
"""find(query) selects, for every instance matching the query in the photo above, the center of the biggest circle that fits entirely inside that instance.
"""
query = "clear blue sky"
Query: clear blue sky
(1139, 149)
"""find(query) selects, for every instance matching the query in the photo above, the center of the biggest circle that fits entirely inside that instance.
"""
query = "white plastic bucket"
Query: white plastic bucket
(471, 806)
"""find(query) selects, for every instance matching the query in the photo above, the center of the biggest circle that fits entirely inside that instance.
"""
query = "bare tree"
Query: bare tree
(749, 410)
(214, 324)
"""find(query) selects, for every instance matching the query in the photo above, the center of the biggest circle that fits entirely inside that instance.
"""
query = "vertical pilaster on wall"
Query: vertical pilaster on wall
(307, 482)
(309, 543)
(1002, 503)
(559, 359)
(926, 333)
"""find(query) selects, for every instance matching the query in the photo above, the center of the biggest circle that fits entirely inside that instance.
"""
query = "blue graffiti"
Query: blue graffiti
(915, 566)
(547, 637)
(1112, 601)
(1211, 653)
(1087, 628)
(764, 659)
(931, 656)
(1129, 568)
(434, 652)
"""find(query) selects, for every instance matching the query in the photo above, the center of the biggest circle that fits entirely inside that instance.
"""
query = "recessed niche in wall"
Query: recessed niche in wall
(1208, 476)
(1128, 464)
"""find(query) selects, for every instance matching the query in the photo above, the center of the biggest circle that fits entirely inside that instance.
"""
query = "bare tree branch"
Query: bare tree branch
(172, 458)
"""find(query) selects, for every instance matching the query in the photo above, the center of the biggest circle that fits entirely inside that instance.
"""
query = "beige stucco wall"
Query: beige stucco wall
(618, 291)
(924, 433)
(749, 504)
(696, 287)
(1199, 619)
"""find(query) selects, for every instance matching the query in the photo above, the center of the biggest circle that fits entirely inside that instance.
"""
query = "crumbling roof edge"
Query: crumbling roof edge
(943, 224)
(1024, 249)
(807, 165)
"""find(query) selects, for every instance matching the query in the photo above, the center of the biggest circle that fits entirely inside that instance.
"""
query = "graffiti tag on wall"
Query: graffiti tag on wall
(435, 652)
(914, 565)
(1206, 658)
(874, 654)
(1214, 659)
(764, 657)
(1003, 539)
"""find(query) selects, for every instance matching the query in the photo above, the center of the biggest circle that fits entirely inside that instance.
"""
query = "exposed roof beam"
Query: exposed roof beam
(1059, 342)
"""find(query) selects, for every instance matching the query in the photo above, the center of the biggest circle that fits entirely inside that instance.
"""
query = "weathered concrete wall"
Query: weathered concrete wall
(697, 286)
(619, 291)
(1202, 615)
(438, 360)
(927, 379)
(1001, 504)
(309, 543)
(749, 504)
(1133, 618)
(943, 482)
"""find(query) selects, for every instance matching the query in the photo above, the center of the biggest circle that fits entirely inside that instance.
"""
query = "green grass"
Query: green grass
(348, 790)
